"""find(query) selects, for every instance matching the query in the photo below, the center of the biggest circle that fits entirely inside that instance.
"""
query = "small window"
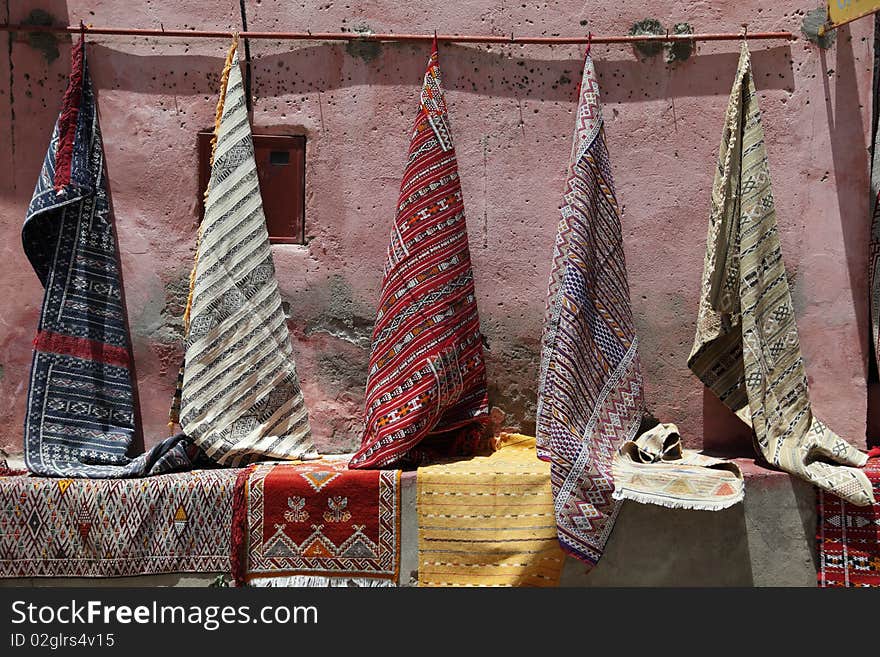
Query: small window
(281, 169)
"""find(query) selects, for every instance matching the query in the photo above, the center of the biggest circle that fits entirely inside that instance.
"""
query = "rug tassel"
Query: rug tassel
(218, 115)
(174, 413)
(67, 122)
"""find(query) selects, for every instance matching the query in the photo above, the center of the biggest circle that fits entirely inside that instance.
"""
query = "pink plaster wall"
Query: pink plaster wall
(512, 113)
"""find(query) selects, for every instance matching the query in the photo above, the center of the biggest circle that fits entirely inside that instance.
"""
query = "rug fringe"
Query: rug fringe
(315, 581)
(645, 498)
(69, 117)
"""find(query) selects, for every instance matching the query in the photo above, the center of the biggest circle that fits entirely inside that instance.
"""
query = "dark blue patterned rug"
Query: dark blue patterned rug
(80, 419)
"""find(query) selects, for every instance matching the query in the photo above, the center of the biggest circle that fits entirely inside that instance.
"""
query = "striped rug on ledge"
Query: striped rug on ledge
(488, 520)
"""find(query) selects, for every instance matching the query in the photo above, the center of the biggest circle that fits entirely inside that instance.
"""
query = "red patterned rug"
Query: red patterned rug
(426, 391)
(171, 523)
(849, 538)
(316, 524)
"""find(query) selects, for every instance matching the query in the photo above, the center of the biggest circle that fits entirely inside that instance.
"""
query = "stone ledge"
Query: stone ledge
(767, 541)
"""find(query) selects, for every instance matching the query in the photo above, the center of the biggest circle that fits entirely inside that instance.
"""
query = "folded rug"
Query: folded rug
(240, 398)
(654, 469)
(81, 417)
(590, 393)
(746, 348)
(426, 387)
(488, 520)
(849, 538)
(172, 523)
(316, 524)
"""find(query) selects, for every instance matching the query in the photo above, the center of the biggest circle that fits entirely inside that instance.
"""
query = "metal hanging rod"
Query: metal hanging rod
(369, 36)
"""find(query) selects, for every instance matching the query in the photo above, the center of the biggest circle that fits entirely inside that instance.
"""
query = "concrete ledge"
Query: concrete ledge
(767, 541)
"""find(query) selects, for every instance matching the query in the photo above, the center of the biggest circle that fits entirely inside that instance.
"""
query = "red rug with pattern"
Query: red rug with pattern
(316, 524)
(426, 390)
(849, 538)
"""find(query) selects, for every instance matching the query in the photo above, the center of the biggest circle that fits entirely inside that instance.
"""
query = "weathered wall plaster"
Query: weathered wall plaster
(512, 110)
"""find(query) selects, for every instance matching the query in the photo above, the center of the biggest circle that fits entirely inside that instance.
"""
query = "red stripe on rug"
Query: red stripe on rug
(66, 345)
(69, 115)
(238, 534)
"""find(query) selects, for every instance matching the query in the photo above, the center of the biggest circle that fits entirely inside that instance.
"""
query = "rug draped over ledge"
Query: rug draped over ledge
(316, 524)
(426, 388)
(488, 520)
(746, 348)
(170, 523)
(655, 469)
(590, 393)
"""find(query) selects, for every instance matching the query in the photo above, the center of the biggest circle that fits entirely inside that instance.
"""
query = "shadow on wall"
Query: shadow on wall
(768, 540)
(495, 72)
(849, 153)
(672, 547)
(501, 73)
(724, 434)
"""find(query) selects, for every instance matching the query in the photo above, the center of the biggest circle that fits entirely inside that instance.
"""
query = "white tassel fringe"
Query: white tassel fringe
(315, 581)
(645, 498)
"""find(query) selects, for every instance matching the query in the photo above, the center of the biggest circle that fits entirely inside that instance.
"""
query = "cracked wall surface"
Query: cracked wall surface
(512, 113)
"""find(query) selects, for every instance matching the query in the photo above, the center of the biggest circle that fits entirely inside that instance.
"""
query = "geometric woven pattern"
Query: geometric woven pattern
(426, 386)
(240, 396)
(488, 520)
(169, 523)
(590, 392)
(80, 415)
(320, 520)
(849, 538)
(746, 348)
(80, 418)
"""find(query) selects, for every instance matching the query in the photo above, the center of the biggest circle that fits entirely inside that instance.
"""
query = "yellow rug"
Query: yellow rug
(488, 520)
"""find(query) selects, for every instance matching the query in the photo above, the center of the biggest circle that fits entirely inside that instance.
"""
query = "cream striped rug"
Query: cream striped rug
(240, 398)
(746, 349)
